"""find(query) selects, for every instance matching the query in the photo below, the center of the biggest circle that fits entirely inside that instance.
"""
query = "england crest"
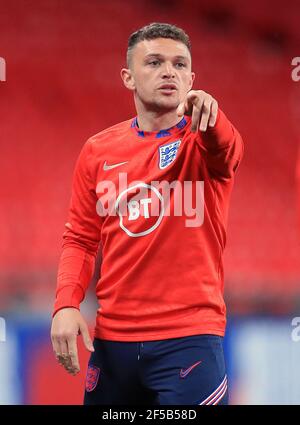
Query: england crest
(168, 153)
(92, 378)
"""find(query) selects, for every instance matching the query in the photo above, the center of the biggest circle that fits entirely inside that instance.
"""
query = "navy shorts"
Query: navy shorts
(185, 370)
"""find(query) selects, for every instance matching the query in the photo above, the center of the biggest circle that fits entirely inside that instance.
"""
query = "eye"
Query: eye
(180, 65)
(154, 63)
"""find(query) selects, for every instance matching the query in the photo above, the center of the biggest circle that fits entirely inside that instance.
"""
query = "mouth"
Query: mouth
(168, 88)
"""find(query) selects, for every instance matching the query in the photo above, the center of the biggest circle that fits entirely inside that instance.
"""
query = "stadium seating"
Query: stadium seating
(63, 85)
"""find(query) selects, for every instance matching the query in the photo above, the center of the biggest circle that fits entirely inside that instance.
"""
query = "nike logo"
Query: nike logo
(109, 167)
(185, 372)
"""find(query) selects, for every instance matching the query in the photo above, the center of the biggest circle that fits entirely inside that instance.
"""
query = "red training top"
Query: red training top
(158, 204)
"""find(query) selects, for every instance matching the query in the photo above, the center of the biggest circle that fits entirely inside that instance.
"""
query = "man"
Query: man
(161, 321)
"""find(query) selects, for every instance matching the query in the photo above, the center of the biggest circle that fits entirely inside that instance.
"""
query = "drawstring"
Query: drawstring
(140, 344)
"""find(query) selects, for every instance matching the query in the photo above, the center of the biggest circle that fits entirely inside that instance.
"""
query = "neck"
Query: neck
(149, 120)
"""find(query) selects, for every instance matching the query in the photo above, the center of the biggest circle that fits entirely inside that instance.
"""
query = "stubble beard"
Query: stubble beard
(159, 104)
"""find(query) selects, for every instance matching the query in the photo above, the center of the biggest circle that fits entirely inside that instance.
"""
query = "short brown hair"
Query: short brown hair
(157, 30)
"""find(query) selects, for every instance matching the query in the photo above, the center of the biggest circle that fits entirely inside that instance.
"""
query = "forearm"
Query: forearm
(81, 237)
(221, 135)
(75, 271)
(223, 147)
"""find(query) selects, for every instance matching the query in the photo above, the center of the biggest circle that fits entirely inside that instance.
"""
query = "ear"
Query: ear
(193, 75)
(127, 78)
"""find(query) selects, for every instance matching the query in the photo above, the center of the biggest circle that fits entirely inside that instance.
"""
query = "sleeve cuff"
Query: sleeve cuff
(68, 296)
(221, 135)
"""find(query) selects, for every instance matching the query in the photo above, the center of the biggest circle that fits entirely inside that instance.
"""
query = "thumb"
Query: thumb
(86, 337)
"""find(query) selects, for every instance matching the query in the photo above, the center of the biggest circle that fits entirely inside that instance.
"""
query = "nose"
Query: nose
(168, 71)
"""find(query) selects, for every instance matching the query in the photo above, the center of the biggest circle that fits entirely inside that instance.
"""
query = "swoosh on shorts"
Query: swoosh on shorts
(185, 372)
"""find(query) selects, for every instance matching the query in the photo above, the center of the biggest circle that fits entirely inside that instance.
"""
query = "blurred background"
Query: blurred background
(63, 60)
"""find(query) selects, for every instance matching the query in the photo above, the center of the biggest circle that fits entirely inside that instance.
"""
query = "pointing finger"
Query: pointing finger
(214, 114)
(205, 115)
(196, 114)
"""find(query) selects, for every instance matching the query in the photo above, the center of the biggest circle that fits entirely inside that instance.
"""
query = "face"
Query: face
(159, 73)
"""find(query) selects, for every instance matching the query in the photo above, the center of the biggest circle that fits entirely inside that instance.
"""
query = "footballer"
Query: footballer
(161, 320)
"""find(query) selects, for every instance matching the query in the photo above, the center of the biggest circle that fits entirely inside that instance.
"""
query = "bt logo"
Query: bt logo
(135, 216)
(137, 208)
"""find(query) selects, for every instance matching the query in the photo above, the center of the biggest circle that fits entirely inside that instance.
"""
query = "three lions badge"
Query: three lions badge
(92, 378)
(168, 153)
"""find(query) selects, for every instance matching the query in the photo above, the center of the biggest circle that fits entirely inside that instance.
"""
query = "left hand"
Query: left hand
(202, 107)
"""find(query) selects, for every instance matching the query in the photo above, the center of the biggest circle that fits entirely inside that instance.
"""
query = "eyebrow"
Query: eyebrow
(158, 55)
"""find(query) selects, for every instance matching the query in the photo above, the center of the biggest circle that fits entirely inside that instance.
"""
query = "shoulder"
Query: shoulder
(100, 143)
(111, 134)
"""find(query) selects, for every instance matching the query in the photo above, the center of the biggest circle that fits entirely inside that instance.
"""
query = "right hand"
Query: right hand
(66, 325)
